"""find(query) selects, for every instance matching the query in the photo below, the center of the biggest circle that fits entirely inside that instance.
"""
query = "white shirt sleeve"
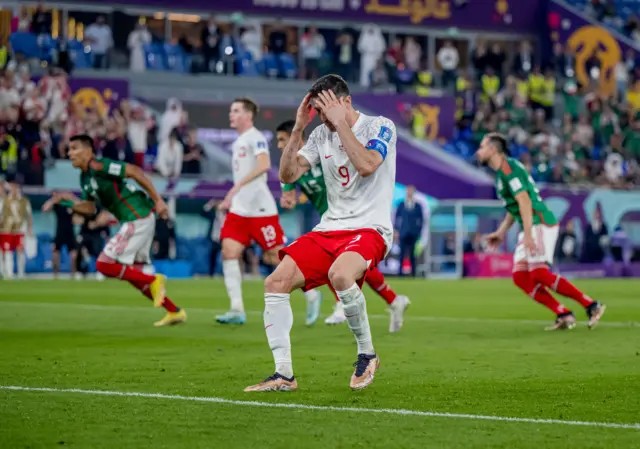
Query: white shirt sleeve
(310, 149)
(259, 144)
(381, 136)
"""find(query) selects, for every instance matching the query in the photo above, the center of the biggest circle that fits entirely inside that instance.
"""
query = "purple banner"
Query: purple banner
(102, 93)
(586, 36)
(515, 16)
(437, 113)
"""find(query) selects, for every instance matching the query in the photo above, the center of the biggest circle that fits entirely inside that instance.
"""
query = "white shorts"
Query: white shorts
(132, 243)
(545, 238)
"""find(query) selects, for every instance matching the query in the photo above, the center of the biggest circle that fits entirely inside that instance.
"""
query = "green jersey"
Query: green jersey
(511, 179)
(312, 185)
(108, 187)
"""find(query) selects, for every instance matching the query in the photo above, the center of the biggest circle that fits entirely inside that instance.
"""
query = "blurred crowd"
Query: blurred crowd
(38, 116)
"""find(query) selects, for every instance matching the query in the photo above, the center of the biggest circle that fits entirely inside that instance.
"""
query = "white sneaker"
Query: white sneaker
(314, 301)
(337, 317)
(100, 277)
(397, 309)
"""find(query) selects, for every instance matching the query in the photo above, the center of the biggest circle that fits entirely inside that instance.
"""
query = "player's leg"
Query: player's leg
(524, 280)
(364, 249)
(6, 240)
(397, 303)
(235, 238)
(56, 247)
(546, 237)
(337, 316)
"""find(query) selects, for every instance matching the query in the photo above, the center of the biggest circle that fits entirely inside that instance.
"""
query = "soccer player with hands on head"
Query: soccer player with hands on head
(313, 187)
(357, 154)
(106, 181)
(537, 241)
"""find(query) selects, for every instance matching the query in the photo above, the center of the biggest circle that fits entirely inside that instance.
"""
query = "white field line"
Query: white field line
(322, 408)
(408, 316)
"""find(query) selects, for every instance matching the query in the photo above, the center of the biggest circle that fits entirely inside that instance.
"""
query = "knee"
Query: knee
(339, 278)
(231, 251)
(277, 283)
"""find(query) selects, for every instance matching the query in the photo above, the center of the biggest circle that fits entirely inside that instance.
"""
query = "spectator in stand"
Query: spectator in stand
(100, 37)
(409, 221)
(194, 154)
(137, 129)
(210, 44)
(173, 117)
(41, 21)
(8, 152)
(251, 40)
(597, 9)
(596, 239)
(448, 58)
(523, 61)
(496, 60)
(345, 53)
(312, 46)
(490, 84)
(33, 112)
(394, 57)
(557, 60)
(567, 246)
(170, 156)
(412, 54)
(480, 59)
(136, 42)
(117, 146)
(475, 245)
(21, 22)
(9, 101)
(4, 51)
(278, 44)
(371, 46)
(379, 76)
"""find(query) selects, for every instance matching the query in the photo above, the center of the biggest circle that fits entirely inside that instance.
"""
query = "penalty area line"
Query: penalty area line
(323, 408)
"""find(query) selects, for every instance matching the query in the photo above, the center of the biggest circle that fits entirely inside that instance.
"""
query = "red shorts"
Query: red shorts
(265, 231)
(11, 242)
(315, 252)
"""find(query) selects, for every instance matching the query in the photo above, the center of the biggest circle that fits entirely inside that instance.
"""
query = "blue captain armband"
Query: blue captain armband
(379, 146)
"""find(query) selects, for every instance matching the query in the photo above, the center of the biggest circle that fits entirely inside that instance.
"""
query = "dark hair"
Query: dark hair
(287, 127)
(499, 141)
(84, 139)
(248, 104)
(335, 83)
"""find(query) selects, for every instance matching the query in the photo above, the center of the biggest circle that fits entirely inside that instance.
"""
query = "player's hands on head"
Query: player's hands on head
(162, 209)
(334, 108)
(303, 115)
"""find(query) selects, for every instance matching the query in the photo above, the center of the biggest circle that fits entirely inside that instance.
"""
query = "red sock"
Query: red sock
(114, 269)
(526, 283)
(560, 285)
(144, 289)
(376, 281)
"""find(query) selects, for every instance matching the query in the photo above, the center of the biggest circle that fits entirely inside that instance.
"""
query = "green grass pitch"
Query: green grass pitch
(469, 347)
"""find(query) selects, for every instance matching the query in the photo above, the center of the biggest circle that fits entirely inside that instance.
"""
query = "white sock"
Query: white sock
(355, 309)
(22, 263)
(8, 264)
(2, 264)
(233, 282)
(312, 295)
(278, 320)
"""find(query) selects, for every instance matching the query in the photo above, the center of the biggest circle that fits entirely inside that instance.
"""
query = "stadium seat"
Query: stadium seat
(155, 57)
(288, 65)
(25, 43)
(80, 54)
(176, 59)
(270, 65)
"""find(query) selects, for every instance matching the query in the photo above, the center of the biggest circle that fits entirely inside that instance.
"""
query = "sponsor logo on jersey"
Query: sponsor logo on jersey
(385, 134)
(377, 145)
(115, 169)
(515, 185)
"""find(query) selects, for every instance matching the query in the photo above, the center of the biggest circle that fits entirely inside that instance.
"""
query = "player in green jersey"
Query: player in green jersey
(105, 181)
(536, 243)
(313, 186)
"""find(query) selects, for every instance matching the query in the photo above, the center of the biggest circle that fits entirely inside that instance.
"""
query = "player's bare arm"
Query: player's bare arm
(135, 173)
(292, 165)
(263, 165)
(288, 199)
(496, 238)
(365, 162)
(526, 212)
(78, 206)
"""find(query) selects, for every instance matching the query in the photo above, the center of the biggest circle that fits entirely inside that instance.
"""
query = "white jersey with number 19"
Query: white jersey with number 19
(254, 199)
(356, 202)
